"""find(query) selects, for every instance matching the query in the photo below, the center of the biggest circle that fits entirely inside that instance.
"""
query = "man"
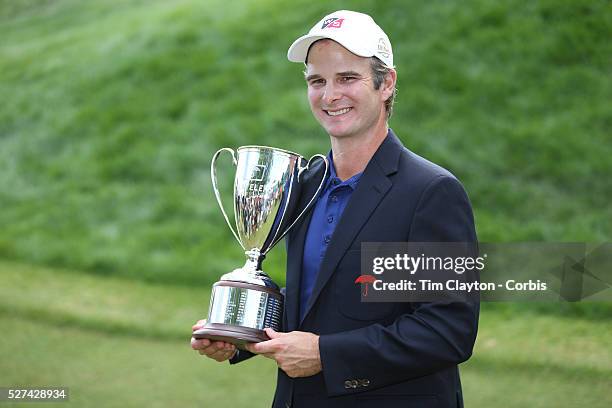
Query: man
(337, 351)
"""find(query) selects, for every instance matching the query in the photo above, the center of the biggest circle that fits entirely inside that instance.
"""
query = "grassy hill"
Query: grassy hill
(110, 112)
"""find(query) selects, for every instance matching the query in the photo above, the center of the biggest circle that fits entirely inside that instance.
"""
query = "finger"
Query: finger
(272, 334)
(227, 356)
(208, 351)
(199, 324)
(263, 347)
(269, 355)
(211, 350)
(249, 347)
(254, 347)
(197, 344)
(229, 347)
(221, 355)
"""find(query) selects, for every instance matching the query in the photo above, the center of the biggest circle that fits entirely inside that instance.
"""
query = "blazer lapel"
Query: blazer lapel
(371, 189)
(295, 248)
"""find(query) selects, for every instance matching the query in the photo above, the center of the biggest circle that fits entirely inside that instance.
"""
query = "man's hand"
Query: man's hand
(217, 350)
(296, 353)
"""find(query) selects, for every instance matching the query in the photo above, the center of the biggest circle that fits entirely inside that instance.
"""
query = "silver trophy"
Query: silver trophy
(266, 186)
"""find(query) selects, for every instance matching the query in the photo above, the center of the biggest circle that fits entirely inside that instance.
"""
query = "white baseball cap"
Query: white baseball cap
(357, 32)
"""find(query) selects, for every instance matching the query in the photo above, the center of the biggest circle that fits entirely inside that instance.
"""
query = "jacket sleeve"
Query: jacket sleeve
(240, 356)
(434, 336)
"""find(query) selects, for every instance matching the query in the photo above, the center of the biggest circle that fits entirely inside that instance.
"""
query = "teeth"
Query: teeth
(338, 112)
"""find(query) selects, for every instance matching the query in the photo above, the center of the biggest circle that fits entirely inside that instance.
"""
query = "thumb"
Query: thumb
(271, 333)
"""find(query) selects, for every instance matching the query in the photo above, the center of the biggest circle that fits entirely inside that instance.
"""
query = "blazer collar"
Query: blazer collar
(297, 237)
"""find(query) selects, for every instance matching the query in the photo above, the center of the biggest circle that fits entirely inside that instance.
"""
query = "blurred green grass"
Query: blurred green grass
(126, 343)
(111, 110)
(115, 342)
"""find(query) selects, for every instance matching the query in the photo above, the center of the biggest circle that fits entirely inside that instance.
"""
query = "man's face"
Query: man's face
(341, 92)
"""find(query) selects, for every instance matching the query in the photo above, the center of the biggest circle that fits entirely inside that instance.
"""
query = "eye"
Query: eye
(316, 82)
(347, 78)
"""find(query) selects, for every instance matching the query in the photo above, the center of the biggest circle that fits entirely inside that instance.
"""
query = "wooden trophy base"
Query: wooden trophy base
(235, 335)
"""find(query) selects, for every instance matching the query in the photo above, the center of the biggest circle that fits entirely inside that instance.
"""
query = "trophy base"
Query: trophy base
(235, 335)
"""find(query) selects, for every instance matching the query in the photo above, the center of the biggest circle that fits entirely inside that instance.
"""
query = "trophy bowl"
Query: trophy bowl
(266, 189)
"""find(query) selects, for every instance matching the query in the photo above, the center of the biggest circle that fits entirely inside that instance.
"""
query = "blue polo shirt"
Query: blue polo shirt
(327, 211)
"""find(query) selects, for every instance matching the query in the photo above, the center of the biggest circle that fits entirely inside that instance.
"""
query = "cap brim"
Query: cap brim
(299, 49)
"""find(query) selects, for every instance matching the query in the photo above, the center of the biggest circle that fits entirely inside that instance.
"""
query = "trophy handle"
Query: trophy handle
(213, 177)
(314, 197)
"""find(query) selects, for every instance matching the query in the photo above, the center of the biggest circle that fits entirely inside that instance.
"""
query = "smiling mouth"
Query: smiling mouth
(337, 112)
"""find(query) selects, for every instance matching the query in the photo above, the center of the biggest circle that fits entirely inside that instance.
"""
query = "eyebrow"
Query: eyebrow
(349, 73)
(311, 77)
(340, 74)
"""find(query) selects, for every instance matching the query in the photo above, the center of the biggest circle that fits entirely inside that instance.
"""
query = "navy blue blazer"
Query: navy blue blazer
(382, 354)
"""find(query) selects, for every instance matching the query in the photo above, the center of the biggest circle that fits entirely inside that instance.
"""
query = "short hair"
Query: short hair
(379, 73)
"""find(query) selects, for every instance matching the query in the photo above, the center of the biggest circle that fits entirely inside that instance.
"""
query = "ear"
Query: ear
(388, 86)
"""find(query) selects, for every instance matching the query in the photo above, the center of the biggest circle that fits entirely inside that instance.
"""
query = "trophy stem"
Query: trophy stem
(254, 260)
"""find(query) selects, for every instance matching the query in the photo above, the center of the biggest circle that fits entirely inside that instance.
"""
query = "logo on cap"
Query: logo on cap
(333, 22)
(382, 48)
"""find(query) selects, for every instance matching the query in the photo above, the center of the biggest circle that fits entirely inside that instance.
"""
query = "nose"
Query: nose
(331, 93)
